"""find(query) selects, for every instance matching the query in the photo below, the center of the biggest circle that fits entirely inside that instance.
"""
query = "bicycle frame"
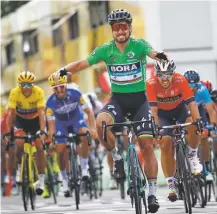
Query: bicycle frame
(137, 171)
(137, 163)
(30, 150)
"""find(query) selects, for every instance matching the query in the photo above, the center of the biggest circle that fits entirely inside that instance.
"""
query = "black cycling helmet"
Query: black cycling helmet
(192, 76)
(213, 96)
(119, 15)
(165, 65)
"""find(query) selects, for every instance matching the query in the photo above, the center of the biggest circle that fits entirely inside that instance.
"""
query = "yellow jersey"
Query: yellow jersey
(26, 107)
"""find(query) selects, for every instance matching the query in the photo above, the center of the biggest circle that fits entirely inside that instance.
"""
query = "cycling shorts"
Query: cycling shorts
(134, 106)
(63, 128)
(166, 118)
(27, 125)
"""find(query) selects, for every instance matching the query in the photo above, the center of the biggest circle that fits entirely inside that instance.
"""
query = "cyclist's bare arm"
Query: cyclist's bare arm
(51, 127)
(42, 118)
(91, 119)
(194, 110)
(154, 110)
(10, 118)
(77, 66)
(212, 113)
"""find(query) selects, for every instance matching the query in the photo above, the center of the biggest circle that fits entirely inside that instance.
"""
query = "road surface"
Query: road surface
(110, 202)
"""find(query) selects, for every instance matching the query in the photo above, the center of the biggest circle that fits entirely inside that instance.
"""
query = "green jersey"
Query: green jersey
(127, 70)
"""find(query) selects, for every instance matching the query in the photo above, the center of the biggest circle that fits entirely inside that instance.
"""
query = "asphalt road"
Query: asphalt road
(110, 202)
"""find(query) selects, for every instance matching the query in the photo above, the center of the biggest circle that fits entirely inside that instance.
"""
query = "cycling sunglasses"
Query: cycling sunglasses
(164, 75)
(192, 85)
(26, 85)
(56, 87)
(117, 26)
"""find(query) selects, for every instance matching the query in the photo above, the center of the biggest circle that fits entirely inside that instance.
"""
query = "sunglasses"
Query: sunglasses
(26, 85)
(164, 75)
(57, 87)
(192, 85)
(117, 26)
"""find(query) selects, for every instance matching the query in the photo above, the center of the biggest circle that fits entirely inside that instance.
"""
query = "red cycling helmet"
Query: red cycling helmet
(208, 85)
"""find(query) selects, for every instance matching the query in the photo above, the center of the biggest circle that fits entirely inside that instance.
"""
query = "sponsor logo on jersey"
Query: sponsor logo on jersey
(123, 74)
(125, 68)
(26, 111)
(169, 99)
(131, 54)
(66, 108)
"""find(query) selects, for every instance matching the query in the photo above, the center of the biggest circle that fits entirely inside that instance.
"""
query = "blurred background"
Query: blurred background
(43, 36)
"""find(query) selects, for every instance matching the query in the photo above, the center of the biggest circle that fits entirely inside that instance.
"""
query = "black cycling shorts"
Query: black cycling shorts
(28, 125)
(134, 106)
(167, 118)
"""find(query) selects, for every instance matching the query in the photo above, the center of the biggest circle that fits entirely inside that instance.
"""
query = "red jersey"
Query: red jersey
(170, 98)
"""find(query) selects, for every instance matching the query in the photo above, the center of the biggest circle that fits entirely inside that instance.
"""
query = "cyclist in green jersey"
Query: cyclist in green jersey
(125, 58)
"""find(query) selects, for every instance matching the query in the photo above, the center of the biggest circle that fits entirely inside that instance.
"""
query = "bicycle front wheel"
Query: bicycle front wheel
(50, 174)
(134, 182)
(185, 180)
(75, 171)
(25, 182)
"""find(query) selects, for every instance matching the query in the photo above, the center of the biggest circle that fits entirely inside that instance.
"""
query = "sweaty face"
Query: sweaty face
(60, 91)
(165, 79)
(121, 31)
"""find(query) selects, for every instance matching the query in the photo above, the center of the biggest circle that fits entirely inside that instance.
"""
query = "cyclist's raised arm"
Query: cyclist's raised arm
(96, 56)
(75, 67)
(158, 55)
(149, 51)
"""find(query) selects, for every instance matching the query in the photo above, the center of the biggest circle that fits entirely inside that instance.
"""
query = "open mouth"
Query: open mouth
(165, 82)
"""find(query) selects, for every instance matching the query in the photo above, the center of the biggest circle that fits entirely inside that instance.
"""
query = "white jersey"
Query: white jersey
(98, 106)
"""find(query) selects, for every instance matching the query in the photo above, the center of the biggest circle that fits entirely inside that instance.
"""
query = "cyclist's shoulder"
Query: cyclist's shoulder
(51, 100)
(106, 45)
(73, 92)
(178, 78)
(152, 81)
(38, 91)
(138, 41)
(15, 90)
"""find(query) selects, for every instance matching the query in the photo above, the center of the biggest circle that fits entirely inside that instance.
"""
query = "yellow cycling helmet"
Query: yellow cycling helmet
(26, 77)
(55, 79)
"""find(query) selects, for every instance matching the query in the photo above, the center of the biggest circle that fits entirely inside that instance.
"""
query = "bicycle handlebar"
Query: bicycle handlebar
(176, 126)
(71, 137)
(129, 124)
